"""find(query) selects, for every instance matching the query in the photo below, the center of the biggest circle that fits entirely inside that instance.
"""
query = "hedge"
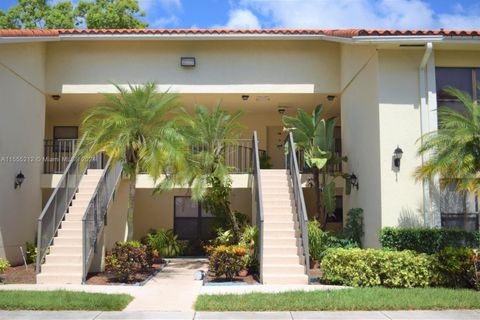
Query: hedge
(372, 267)
(425, 240)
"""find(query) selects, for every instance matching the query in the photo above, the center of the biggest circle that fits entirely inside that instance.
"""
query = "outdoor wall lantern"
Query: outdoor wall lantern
(397, 155)
(19, 178)
(187, 61)
(354, 180)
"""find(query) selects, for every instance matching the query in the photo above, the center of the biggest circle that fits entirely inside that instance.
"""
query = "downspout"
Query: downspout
(424, 124)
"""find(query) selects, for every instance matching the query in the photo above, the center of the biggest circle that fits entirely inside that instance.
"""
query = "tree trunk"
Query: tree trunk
(465, 211)
(131, 206)
(323, 210)
(318, 200)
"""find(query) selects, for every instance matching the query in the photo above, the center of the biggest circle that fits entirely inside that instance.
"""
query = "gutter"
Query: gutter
(424, 122)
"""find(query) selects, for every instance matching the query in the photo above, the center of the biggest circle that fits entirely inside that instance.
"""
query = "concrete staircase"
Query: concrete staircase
(282, 252)
(63, 264)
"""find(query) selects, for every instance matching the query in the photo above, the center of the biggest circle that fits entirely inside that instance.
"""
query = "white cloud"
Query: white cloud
(381, 14)
(241, 19)
(164, 22)
(167, 5)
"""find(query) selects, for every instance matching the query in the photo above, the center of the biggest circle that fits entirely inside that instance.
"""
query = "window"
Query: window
(338, 210)
(464, 79)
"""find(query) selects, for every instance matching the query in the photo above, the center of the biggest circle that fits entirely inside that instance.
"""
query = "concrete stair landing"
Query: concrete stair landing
(63, 264)
(282, 254)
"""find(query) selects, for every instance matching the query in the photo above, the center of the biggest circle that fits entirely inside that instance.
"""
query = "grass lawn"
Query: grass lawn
(346, 299)
(62, 300)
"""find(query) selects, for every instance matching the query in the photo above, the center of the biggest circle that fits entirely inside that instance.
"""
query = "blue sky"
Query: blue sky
(399, 14)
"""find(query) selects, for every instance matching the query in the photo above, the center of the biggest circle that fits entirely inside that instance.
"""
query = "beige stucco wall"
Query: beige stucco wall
(400, 124)
(361, 136)
(22, 120)
(311, 63)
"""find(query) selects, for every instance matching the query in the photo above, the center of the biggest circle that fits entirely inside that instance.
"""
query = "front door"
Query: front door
(275, 149)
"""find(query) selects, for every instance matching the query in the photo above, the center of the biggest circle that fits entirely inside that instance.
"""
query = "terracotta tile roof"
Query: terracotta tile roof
(344, 33)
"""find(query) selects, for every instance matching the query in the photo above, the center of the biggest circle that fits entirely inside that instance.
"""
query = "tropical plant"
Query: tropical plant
(353, 229)
(209, 133)
(134, 127)
(164, 242)
(226, 260)
(126, 259)
(314, 136)
(320, 242)
(4, 265)
(249, 240)
(453, 151)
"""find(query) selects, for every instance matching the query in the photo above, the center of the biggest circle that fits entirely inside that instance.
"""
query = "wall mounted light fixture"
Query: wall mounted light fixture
(187, 61)
(397, 155)
(19, 178)
(354, 180)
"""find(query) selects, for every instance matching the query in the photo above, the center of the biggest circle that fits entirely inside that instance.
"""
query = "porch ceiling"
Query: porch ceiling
(75, 104)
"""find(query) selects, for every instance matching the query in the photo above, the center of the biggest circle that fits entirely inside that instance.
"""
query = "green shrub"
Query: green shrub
(427, 240)
(223, 238)
(226, 260)
(4, 265)
(164, 242)
(319, 241)
(353, 229)
(126, 259)
(370, 267)
(249, 240)
(455, 267)
(30, 252)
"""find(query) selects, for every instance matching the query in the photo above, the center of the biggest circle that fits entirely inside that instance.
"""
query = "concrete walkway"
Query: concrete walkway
(173, 289)
(321, 315)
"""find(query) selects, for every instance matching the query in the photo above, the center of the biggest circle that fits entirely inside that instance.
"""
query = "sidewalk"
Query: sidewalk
(321, 315)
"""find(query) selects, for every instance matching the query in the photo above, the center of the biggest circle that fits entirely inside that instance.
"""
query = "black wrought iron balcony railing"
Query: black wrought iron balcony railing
(59, 152)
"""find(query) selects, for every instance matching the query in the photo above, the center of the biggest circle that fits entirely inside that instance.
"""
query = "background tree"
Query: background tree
(209, 134)
(101, 14)
(111, 14)
(134, 127)
(453, 150)
(314, 136)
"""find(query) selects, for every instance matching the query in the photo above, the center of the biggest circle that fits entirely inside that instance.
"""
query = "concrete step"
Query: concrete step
(275, 216)
(69, 233)
(67, 241)
(281, 241)
(86, 189)
(282, 259)
(267, 224)
(83, 196)
(283, 268)
(272, 172)
(59, 278)
(81, 203)
(62, 268)
(286, 233)
(285, 278)
(63, 259)
(279, 250)
(71, 224)
(267, 197)
(65, 250)
(94, 172)
(75, 216)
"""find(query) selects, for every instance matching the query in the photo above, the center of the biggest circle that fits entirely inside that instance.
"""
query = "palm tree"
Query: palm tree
(209, 134)
(453, 150)
(133, 127)
(314, 136)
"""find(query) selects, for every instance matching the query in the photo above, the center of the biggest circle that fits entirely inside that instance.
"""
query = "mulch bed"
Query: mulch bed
(105, 278)
(19, 274)
(209, 278)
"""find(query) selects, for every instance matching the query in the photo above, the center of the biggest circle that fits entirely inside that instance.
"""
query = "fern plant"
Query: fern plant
(165, 243)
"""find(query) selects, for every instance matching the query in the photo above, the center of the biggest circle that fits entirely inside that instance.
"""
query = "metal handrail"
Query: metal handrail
(258, 200)
(292, 165)
(56, 207)
(94, 218)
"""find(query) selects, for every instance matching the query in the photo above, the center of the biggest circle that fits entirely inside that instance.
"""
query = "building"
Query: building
(383, 87)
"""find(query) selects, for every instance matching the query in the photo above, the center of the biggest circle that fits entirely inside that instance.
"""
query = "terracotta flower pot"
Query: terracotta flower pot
(243, 273)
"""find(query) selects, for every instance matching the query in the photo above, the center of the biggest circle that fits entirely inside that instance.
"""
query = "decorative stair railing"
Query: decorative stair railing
(95, 217)
(292, 166)
(258, 201)
(57, 206)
